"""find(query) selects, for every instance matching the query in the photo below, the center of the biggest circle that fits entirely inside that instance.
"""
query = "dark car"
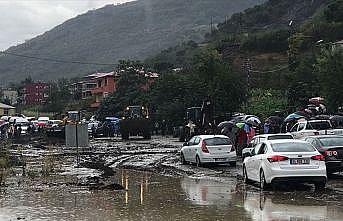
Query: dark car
(109, 128)
(331, 147)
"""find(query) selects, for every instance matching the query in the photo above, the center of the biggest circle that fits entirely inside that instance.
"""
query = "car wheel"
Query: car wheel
(233, 164)
(320, 185)
(182, 158)
(263, 183)
(245, 176)
(198, 162)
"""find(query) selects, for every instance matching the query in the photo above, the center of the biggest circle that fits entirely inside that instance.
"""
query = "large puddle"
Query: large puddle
(154, 197)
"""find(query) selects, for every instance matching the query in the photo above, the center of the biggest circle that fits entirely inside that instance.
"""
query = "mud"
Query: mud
(144, 180)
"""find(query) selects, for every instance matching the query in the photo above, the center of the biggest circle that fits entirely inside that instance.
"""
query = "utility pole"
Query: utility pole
(247, 69)
(211, 25)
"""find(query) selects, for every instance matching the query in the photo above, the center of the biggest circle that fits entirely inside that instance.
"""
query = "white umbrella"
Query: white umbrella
(253, 121)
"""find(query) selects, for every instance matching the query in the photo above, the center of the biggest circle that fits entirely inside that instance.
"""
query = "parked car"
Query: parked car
(43, 121)
(53, 123)
(331, 147)
(274, 161)
(259, 138)
(203, 149)
(314, 127)
(108, 128)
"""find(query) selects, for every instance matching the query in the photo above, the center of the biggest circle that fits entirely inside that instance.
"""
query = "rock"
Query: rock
(98, 165)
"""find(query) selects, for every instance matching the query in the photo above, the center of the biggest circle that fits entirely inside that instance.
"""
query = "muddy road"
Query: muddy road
(144, 180)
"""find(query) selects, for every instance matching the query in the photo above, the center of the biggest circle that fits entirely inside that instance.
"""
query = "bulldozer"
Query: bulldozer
(198, 120)
(135, 122)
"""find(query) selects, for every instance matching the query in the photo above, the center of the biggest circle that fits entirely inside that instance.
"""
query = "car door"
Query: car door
(187, 150)
(261, 156)
(195, 148)
(294, 131)
(252, 162)
(302, 130)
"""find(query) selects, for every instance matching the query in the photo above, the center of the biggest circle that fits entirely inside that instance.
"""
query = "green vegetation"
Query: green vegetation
(265, 103)
(330, 76)
(168, 97)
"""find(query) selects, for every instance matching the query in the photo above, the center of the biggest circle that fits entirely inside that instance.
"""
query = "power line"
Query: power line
(56, 60)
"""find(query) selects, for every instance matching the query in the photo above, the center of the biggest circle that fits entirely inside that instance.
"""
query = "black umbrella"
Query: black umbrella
(275, 120)
(223, 124)
(337, 121)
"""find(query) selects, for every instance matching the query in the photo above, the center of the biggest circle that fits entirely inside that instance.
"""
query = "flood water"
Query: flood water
(155, 197)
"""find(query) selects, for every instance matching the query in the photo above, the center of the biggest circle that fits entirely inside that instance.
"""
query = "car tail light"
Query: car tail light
(204, 147)
(318, 157)
(330, 153)
(277, 158)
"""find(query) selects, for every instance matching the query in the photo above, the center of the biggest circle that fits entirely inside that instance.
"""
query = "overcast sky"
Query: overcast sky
(21, 20)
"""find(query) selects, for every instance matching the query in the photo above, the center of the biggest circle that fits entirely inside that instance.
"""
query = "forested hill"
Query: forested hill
(133, 30)
(273, 14)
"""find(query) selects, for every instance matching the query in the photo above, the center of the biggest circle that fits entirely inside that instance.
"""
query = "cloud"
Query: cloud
(21, 20)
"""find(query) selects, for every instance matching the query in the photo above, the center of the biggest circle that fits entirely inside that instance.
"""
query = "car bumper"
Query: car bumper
(305, 175)
(222, 158)
(303, 179)
(334, 166)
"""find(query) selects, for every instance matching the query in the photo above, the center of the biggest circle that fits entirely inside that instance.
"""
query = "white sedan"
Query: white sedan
(274, 161)
(205, 149)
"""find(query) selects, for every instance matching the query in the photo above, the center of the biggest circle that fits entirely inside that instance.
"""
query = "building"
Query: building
(10, 95)
(35, 93)
(6, 110)
(105, 85)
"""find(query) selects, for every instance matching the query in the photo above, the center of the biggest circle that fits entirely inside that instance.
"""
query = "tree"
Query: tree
(334, 12)
(330, 75)
(265, 103)
(59, 96)
(209, 77)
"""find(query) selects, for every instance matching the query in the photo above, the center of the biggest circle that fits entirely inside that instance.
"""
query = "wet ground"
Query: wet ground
(143, 180)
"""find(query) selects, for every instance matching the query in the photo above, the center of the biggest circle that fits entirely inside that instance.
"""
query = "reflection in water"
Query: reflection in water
(281, 207)
(142, 191)
(144, 183)
(207, 192)
(154, 197)
(126, 188)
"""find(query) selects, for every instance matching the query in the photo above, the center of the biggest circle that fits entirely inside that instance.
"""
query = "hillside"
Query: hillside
(133, 30)
(259, 33)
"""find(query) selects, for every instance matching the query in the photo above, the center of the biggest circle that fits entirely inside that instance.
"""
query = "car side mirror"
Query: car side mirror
(185, 144)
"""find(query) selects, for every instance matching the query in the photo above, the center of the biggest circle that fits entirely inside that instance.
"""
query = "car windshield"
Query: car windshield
(216, 141)
(319, 125)
(331, 141)
(279, 137)
(292, 147)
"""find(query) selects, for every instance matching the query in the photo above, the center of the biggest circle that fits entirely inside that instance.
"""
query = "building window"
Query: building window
(6, 112)
(105, 81)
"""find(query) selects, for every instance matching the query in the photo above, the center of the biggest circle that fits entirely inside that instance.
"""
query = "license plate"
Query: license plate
(300, 161)
(220, 159)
